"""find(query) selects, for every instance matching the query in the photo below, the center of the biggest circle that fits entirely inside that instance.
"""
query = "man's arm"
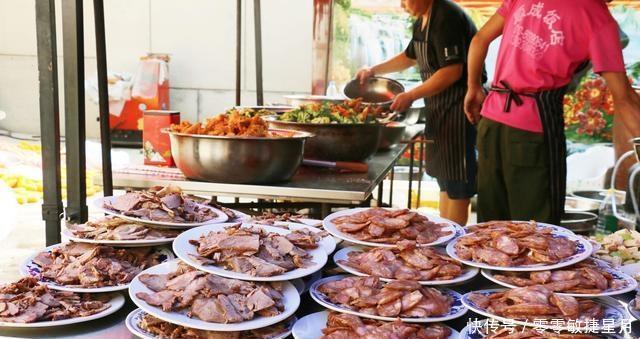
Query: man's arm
(475, 61)
(438, 82)
(398, 63)
(626, 101)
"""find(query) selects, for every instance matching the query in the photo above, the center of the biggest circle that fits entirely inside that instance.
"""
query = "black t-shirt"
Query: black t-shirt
(450, 33)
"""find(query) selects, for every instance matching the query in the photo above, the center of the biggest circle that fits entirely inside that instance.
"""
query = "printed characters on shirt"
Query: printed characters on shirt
(535, 44)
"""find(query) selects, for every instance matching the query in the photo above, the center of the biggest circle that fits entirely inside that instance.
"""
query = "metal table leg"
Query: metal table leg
(391, 178)
(421, 160)
(258, 41)
(380, 193)
(52, 208)
(411, 151)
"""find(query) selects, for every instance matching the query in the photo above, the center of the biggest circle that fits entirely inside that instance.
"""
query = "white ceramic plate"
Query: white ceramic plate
(291, 302)
(331, 228)
(328, 242)
(467, 273)
(31, 269)
(117, 243)
(472, 331)
(613, 312)
(631, 307)
(631, 283)
(457, 308)
(135, 317)
(221, 217)
(631, 269)
(183, 249)
(556, 228)
(311, 326)
(584, 250)
(116, 302)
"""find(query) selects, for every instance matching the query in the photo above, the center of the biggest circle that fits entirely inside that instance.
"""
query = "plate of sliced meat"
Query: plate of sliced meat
(162, 207)
(90, 268)
(588, 278)
(427, 265)
(493, 329)
(520, 247)
(251, 252)
(178, 293)
(310, 233)
(334, 325)
(539, 307)
(369, 297)
(26, 303)
(633, 308)
(146, 326)
(114, 231)
(499, 225)
(384, 227)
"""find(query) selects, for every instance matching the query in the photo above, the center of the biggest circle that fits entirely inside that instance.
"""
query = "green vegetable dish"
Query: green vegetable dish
(349, 112)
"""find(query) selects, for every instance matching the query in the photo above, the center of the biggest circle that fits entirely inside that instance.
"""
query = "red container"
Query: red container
(156, 147)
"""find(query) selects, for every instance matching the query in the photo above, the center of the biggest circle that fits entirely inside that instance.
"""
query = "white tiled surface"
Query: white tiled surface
(198, 34)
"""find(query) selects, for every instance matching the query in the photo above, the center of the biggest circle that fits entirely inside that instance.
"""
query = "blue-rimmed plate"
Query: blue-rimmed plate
(614, 313)
(583, 251)
(468, 273)
(457, 309)
(630, 283)
(474, 330)
(631, 307)
(555, 228)
(311, 326)
(30, 269)
(134, 319)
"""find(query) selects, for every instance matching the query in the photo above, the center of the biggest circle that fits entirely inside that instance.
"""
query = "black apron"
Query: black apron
(445, 123)
(551, 111)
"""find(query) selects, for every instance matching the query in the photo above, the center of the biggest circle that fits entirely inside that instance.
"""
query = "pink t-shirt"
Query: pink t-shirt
(543, 43)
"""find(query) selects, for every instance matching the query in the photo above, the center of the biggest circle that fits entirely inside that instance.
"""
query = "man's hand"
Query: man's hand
(364, 74)
(402, 102)
(473, 103)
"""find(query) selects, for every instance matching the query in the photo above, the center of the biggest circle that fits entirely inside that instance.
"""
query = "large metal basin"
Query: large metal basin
(238, 160)
(336, 142)
(298, 100)
(391, 134)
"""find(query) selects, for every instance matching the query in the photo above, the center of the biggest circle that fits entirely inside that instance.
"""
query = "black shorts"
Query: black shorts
(464, 189)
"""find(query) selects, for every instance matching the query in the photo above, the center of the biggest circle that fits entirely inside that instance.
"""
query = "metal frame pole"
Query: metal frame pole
(411, 152)
(238, 50)
(258, 39)
(103, 95)
(52, 208)
(73, 48)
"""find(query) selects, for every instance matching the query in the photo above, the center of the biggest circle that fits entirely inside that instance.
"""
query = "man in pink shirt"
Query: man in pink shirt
(521, 143)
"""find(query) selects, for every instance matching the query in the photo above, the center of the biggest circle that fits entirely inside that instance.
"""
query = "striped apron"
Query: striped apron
(550, 109)
(445, 123)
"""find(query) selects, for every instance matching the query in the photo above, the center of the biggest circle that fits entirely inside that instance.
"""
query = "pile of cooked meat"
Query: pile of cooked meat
(522, 332)
(382, 225)
(514, 244)
(254, 251)
(404, 262)
(586, 277)
(166, 204)
(233, 124)
(166, 330)
(270, 218)
(537, 302)
(89, 266)
(119, 229)
(348, 326)
(25, 301)
(211, 298)
(400, 298)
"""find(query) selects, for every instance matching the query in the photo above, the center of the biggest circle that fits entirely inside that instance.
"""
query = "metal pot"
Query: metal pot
(238, 160)
(275, 109)
(376, 91)
(336, 142)
(391, 134)
(297, 100)
(579, 222)
(573, 204)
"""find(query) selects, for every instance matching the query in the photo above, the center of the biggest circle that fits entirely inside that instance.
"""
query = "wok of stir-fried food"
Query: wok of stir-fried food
(348, 326)
(382, 225)
(233, 124)
(586, 277)
(400, 298)
(537, 302)
(110, 228)
(351, 111)
(167, 330)
(166, 204)
(89, 266)
(515, 244)
(26, 301)
(404, 262)
(211, 298)
(254, 251)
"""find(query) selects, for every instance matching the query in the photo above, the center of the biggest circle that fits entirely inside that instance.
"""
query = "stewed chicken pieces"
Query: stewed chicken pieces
(348, 326)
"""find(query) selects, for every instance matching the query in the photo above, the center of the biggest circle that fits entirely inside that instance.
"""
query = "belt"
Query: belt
(512, 96)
